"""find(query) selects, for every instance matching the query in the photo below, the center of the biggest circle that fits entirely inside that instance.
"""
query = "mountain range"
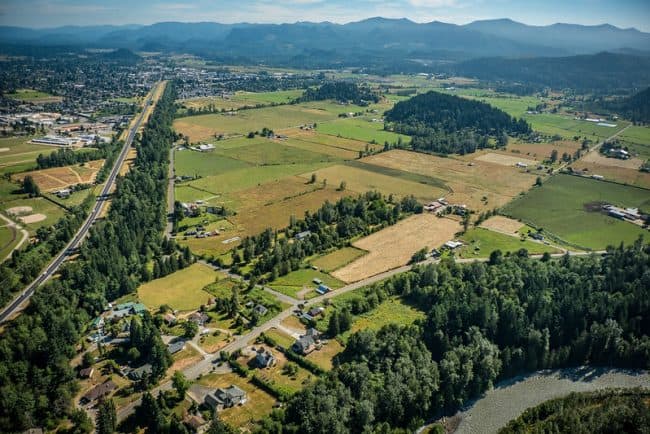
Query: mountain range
(379, 36)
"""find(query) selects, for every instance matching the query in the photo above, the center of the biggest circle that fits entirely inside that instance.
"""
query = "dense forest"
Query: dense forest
(484, 322)
(37, 383)
(637, 107)
(341, 91)
(450, 124)
(606, 411)
(601, 73)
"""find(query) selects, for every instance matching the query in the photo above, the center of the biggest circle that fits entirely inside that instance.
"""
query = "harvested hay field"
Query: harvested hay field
(62, 177)
(33, 218)
(502, 224)
(469, 184)
(596, 158)
(504, 159)
(393, 246)
(313, 136)
(361, 178)
(542, 151)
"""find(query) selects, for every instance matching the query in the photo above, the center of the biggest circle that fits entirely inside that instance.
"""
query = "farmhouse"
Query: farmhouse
(225, 398)
(264, 358)
(175, 347)
(98, 392)
(307, 342)
(453, 244)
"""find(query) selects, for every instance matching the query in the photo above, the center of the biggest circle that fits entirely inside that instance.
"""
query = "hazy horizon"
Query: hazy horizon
(39, 14)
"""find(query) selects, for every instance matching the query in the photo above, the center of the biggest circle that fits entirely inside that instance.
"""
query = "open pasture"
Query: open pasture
(637, 139)
(562, 207)
(182, 290)
(601, 160)
(62, 177)
(542, 151)
(395, 245)
(568, 127)
(337, 259)
(312, 136)
(502, 224)
(334, 152)
(469, 184)
(361, 129)
(275, 153)
(391, 311)
(192, 163)
(480, 242)
(612, 173)
(504, 159)
(241, 99)
(205, 127)
(362, 178)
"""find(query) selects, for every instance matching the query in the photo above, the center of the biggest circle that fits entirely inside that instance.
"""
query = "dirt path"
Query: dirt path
(75, 174)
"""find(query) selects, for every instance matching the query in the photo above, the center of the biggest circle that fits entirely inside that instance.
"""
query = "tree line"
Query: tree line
(485, 322)
(450, 124)
(37, 383)
(331, 226)
(341, 91)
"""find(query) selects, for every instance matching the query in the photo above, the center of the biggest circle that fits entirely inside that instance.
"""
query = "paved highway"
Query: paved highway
(51, 269)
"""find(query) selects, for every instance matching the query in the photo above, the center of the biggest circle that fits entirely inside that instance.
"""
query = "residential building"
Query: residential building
(264, 358)
(226, 398)
(98, 392)
(138, 373)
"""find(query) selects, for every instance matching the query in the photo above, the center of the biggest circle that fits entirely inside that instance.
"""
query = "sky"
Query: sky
(53, 13)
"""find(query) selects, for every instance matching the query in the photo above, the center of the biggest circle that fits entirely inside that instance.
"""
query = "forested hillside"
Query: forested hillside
(449, 124)
(37, 383)
(485, 322)
(340, 91)
(599, 73)
(637, 107)
(614, 411)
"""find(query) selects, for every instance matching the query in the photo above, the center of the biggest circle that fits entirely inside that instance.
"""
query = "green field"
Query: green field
(360, 129)
(28, 95)
(338, 258)
(391, 311)
(559, 207)
(480, 242)
(182, 290)
(295, 281)
(192, 163)
(9, 237)
(637, 139)
(568, 127)
(274, 153)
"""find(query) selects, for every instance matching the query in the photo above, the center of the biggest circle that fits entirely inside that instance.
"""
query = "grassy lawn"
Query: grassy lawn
(325, 355)
(276, 375)
(338, 258)
(391, 311)
(213, 342)
(182, 290)
(559, 207)
(295, 281)
(360, 129)
(480, 242)
(281, 338)
(29, 95)
(9, 237)
(259, 403)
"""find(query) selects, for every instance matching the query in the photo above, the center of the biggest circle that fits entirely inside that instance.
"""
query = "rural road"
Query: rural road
(59, 259)
(208, 363)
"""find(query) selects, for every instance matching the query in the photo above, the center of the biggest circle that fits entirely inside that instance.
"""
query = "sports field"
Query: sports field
(395, 245)
(182, 290)
(562, 206)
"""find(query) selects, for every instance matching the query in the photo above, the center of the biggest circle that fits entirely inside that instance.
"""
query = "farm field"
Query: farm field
(182, 290)
(314, 137)
(391, 311)
(259, 403)
(541, 151)
(294, 282)
(504, 159)
(242, 99)
(205, 127)
(62, 177)
(561, 205)
(192, 163)
(275, 153)
(632, 177)
(393, 246)
(480, 242)
(360, 178)
(637, 139)
(568, 127)
(481, 186)
(337, 259)
(361, 129)
(502, 224)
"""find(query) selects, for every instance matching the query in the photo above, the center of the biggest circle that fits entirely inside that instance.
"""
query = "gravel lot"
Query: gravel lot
(509, 399)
